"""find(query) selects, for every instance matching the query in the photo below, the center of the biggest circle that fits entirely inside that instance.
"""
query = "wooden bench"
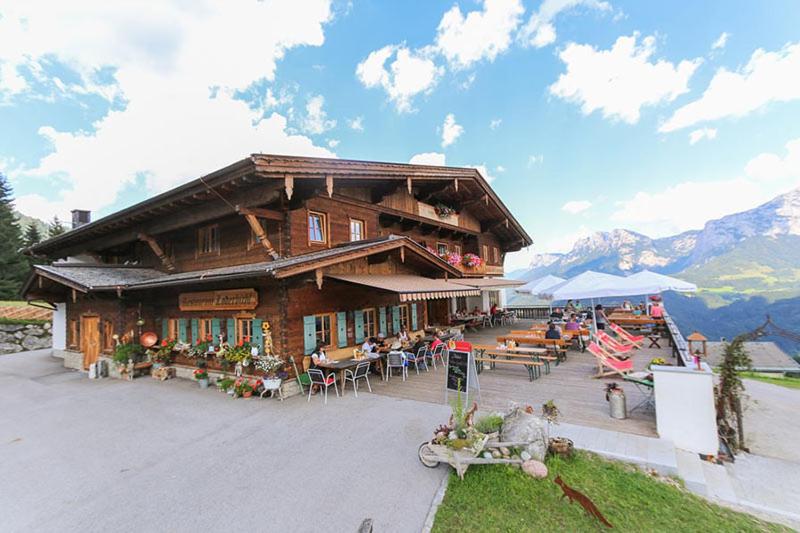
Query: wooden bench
(558, 346)
(529, 364)
(540, 360)
(142, 369)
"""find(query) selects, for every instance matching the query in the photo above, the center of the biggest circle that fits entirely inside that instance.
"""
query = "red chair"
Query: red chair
(632, 339)
(606, 360)
(612, 343)
(323, 381)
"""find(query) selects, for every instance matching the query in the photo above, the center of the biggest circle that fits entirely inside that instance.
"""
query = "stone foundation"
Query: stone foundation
(72, 359)
(24, 337)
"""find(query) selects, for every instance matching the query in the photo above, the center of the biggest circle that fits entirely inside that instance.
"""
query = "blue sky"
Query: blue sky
(586, 115)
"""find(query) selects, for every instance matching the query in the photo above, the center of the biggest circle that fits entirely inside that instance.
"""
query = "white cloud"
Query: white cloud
(690, 204)
(451, 130)
(576, 206)
(499, 168)
(464, 40)
(534, 159)
(539, 31)
(702, 133)
(428, 158)
(484, 172)
(768, 77)
(495, 123)
(333, 143)
(622, 80)
(356, 124)
(180, 118)
(410, 73)
(316, 120)
(721, 41)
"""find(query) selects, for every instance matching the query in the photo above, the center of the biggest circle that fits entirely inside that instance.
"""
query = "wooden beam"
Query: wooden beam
(402, 255)
(455, 184)
(166, 261)
(260, 212)
(288, 185)
(318, 276)
(329, 185)
(409, 185)
(261, 236)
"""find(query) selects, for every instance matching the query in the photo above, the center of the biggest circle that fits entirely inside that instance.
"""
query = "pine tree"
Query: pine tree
(32, 235)
(13, 265)
(55, 228)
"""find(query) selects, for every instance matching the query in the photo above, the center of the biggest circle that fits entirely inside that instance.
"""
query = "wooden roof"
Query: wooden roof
(258, 169)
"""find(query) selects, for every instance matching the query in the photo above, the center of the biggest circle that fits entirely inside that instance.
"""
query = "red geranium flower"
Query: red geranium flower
(164, 342)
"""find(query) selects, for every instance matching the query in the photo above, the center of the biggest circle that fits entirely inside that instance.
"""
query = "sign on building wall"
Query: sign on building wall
(228, 300)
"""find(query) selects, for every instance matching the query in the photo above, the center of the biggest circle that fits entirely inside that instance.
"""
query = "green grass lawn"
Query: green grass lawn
(775, 379)
(503, 498)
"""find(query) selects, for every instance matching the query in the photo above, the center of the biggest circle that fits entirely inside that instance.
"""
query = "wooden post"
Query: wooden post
(166, 261)
(408, 184)
(402, 255)
(329, 185)
(261, 235)
(455, 184)
(288, 184)
(318, 276)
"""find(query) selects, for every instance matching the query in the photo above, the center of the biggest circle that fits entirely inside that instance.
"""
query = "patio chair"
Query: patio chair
(361, 372)
(615, 366)
(622, 334)
(487, 321)
(611, 342)
(396, 360)
(320, 379)
(302, 379)
(420, 357)
(436, 354)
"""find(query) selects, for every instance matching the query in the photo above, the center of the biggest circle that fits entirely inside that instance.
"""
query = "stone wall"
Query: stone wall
(24, 337)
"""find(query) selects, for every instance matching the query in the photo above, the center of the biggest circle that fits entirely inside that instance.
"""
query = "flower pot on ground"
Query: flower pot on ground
(561, 446)
(201, 375)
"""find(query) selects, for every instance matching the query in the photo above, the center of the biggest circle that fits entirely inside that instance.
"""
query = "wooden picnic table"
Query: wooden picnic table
(339, 366)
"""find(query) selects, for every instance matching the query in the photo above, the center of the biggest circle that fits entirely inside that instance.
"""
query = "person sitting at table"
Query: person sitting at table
(402, 335)
(369, 346)
(418, 344)
(557, 314)
(600, 319)
(626, 306)
(572, 323)
(656, 311)
(637, 311)
(552, 332)
(436, 342)
(570, 307)
(578, 306)
(380, 342)
(318, 356)
(476, 311)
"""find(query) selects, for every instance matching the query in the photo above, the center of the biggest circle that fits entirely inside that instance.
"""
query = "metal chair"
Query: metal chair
(487, 321)
(417, 359)
(396, 360)
(318, 378)
(436, 354)
(361, 372)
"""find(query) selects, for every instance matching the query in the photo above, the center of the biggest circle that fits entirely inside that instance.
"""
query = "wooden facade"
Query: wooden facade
(287, 222)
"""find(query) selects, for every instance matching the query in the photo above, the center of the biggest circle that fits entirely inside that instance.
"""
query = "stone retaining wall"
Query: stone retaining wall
(23, 337)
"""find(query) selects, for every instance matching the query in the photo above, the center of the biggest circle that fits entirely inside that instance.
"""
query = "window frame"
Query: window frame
(204, 329)
(495, 255)
(203, 235)
(457, 249)
(439, 246)
(172, 329)
(405, 317)
(363, 231)
(485, 252)
(323, 225)
(370, 327)
(331, 325)
(240, 321)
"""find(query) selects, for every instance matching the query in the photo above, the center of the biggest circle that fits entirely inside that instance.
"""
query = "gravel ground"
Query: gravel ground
(109, 455)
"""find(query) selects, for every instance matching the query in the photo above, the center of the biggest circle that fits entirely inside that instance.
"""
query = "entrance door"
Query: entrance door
(90, 340)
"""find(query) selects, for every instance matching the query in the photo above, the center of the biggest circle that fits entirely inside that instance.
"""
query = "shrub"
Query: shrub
(489, 423)
(124, 352)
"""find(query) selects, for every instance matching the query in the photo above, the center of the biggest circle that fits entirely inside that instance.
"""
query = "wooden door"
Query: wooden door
(90, 340)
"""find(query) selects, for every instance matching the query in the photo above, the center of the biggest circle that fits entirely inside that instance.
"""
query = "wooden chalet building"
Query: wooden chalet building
(301, 249)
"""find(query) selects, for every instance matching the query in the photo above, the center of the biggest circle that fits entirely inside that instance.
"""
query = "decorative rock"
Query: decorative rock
(10, 327)
(487, 455)
(505, 451)
(525, 456)
(520, 426)
(8, 347)
(496, 454)
(34, 330)
(19, 335)
(535, 469)
(32, 342)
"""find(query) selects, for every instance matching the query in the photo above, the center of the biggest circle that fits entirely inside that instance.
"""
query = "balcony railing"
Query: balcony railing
(483, 270)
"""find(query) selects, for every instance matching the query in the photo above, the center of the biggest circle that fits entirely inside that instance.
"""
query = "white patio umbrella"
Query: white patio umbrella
(589, 284)
(647, 282)
(539, 284)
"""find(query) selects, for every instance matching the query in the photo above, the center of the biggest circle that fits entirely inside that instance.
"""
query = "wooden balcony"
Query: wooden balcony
(481, 271)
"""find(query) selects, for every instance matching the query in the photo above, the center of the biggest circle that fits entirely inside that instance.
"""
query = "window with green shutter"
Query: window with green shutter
(309, 334)
(181, 336)
(258, 334)
(382, 313)
(341, 329)
(413, 316)
(395, 319)
(216, 329)
(359, 325)
(195, 330)
(230, 330)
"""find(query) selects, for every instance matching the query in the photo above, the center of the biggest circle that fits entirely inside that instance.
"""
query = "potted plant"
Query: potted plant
(443, 210)
(124, 353)
(657, 361)
(163, 354)
(201, 375)
(270, 365)
(453, 258)
(471, 260)
(225, 384)
(243, 388)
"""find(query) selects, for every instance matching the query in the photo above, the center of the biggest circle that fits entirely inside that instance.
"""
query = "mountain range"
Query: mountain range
(751, 256)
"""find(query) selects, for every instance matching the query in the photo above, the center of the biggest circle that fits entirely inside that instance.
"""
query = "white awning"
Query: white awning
(539, 285)
(488, 283)
(409, 287)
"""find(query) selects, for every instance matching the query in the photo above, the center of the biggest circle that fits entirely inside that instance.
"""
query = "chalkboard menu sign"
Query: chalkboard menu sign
(457, 369)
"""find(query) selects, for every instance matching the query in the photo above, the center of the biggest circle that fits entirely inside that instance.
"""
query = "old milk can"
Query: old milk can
(616, 401)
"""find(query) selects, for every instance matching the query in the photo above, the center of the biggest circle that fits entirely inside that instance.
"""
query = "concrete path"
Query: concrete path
(108, 455)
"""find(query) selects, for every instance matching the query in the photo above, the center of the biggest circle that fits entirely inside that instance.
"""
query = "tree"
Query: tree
(32, 235)
(55, 228)
(13, 265)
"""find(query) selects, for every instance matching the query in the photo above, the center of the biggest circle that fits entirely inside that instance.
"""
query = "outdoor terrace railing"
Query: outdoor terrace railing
(680, 348)
(530, 312)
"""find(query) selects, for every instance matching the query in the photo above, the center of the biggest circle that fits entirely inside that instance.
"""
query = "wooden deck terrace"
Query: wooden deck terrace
(579, 397)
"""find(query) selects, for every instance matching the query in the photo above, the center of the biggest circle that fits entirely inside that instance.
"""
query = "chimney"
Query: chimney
(80, 218)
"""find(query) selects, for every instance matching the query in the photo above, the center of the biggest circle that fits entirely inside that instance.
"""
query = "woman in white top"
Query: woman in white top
(402, 336)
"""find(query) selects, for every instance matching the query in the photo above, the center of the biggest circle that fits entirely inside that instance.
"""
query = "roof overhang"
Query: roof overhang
(410, 288)
(489, 283)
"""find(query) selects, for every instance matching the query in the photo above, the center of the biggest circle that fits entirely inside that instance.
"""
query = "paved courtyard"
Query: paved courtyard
(109, 455)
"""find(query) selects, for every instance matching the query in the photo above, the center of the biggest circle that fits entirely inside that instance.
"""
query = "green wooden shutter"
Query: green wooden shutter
(182, 329)
(164, 328)
(258, 335)
(195, 331)
(396, 319)
(231, 331)
(359, 316)
(215, 330)
(341, 329)
(309, 333)
(413, 317)
(382, 312)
